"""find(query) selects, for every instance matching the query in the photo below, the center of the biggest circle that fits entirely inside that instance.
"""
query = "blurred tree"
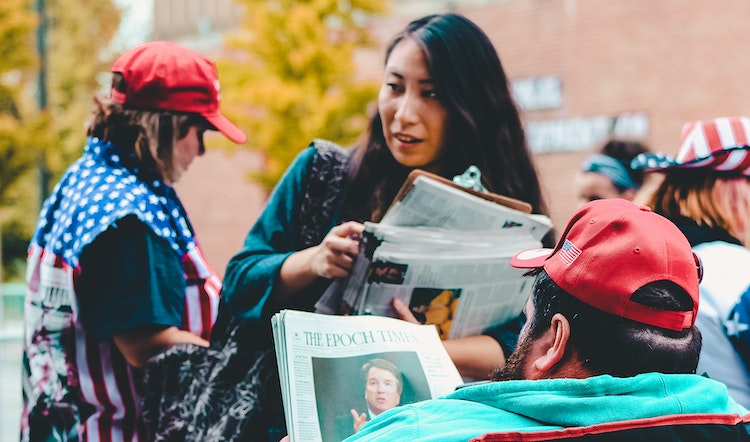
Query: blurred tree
(17, 24)
(16, 57)
(79, 56)
(78, 33)
(295, 80)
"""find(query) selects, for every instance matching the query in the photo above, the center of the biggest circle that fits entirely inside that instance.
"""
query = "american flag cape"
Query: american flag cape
(73, 385)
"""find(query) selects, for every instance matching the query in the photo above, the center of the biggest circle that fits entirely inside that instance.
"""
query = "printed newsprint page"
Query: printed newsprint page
(460, 281)
(446, 253)
(431, 203)
(333, 368)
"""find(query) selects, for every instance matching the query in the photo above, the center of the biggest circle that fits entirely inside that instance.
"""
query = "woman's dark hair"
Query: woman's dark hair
(483, 124)
(609, 344)
(145, 137)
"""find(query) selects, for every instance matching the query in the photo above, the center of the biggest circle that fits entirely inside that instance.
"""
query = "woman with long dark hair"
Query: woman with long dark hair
(444, 104)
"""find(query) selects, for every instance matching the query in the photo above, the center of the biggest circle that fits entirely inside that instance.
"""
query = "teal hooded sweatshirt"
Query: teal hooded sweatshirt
(550, 404)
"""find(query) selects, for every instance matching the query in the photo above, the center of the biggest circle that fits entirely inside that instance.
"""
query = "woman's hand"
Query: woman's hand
(334, 257)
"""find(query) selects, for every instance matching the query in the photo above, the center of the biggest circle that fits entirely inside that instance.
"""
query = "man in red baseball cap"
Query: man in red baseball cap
(609, 349)
(116, 275)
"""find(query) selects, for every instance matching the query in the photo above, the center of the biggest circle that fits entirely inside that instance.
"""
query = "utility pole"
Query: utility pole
(41, 40)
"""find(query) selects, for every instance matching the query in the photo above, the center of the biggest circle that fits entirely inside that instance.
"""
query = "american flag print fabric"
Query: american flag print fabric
(721, 145)
(568, 253)
(76, 388)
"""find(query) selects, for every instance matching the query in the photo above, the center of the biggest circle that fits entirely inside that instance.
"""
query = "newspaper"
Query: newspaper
(323, 369)
(461, 282)
(446, 253)
(429, 202)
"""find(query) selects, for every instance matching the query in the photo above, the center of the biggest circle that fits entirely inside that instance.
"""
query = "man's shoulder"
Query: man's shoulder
(552, 405)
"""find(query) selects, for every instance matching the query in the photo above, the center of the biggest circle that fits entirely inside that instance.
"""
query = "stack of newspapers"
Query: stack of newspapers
(321, 360)
(445, 251)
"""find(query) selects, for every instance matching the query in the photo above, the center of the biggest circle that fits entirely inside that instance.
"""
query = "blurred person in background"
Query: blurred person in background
(115, 274)
(608, 174)
(706, 193)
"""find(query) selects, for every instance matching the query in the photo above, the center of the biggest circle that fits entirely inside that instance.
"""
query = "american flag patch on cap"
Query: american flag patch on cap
(568, 253)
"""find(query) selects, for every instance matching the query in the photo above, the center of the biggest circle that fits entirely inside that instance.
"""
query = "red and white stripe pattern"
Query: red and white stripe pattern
(721, 144)
(97, 372)
(202, 297)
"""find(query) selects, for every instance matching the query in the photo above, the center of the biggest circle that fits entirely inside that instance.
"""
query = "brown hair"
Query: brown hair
(709, 199)
(146, 137)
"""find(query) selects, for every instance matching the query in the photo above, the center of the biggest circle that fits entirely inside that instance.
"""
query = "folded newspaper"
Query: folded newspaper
(445, 251)
(337, 372)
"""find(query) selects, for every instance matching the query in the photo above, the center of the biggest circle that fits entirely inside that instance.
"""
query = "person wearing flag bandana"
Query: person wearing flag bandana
(115, 273)
(607, 174)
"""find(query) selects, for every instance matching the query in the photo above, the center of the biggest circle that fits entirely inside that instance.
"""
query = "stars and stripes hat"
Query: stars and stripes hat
(610, 249)
(718, 145)
(162, 75)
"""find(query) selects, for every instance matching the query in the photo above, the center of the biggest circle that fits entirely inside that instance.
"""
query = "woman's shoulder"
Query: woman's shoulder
(329, 150)
(327, 158)
(321, 151)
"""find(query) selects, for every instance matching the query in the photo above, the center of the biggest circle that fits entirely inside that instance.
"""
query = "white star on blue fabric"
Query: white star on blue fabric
(98, 190)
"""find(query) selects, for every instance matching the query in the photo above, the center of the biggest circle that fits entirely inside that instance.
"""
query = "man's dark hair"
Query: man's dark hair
(609, 344)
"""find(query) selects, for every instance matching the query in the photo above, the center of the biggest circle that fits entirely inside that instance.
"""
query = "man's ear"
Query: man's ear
(555, 342)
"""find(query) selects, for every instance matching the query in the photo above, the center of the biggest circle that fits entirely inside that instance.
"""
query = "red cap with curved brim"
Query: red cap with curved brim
(162, 75)
(610, 249)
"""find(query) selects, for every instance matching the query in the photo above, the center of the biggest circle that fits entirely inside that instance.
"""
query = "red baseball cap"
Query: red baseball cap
(162, 75)
(610, 249)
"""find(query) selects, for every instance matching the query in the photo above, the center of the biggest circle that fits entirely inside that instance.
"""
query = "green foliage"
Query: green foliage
(78, 33)
(296, 79)
(16, 35)
(15, 240)
(16, 46)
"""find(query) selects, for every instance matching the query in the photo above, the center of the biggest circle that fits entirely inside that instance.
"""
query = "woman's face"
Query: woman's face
(185, 150)
(413, 118)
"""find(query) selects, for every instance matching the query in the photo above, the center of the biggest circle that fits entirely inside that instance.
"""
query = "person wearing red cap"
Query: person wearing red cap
(705, 191)
(115, 273)
(609, 350)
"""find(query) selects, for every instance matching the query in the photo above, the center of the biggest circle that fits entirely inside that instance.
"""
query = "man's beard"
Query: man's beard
(512, 370)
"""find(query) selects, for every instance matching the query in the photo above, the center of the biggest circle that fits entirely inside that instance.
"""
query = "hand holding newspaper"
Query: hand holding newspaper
(445, 251)
(336, 370)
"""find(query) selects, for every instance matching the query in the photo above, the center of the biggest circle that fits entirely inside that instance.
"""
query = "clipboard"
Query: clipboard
(506, 201)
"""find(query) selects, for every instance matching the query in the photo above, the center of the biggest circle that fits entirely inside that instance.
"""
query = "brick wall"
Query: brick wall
(671, 60)
(221, 200)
